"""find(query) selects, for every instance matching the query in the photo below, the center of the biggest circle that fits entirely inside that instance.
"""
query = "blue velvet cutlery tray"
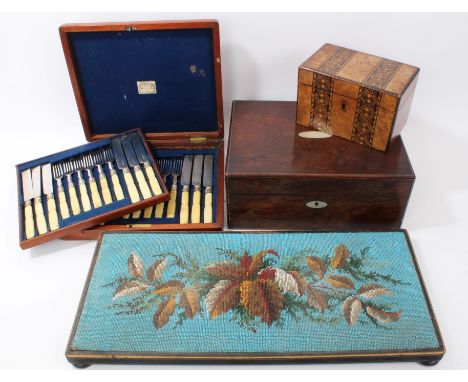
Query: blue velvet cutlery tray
(254, 297)
(84, 186)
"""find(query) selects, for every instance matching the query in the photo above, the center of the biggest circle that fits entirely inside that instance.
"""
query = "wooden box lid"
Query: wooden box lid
(352, 69)
(163, 77)
(265, 141)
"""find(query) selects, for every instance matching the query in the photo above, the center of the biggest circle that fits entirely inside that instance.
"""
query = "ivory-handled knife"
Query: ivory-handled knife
(123, 166)
(135, 164)
(208, 184)
(185, 181)
(196, 183)
(27, 197)
(37, 193)
(48, 188)
(143, 158)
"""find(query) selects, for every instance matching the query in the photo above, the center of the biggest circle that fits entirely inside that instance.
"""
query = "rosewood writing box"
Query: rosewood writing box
(254, 297)
(164, 77)
(278, 178)
(354, 95)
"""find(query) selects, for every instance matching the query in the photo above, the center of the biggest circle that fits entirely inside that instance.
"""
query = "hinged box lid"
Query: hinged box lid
(163, 77)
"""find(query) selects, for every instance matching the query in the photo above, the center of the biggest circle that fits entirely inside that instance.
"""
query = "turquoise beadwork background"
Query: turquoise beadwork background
(100, 329)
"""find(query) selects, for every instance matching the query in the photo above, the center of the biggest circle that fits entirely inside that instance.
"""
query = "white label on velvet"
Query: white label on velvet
(146, 87)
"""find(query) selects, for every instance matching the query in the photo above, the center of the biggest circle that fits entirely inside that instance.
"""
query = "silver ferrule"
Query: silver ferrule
(80, 177)
(50, 196)
(185, 187)
(27, 203)
(59, 185)
(197, 187)
(100, 171)
(208, 190)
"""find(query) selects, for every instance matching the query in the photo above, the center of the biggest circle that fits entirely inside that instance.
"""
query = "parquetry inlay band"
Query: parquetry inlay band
(336, 61)
(382, 74)
(369, 100)
(321, 102)
(366, 116)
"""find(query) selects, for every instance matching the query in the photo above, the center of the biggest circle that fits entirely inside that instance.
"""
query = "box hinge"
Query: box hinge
(197, 140)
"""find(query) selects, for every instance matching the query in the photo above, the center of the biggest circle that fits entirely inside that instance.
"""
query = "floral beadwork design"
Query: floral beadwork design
(257, 289)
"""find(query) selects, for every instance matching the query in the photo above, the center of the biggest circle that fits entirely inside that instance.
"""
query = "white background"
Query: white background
(41, 287)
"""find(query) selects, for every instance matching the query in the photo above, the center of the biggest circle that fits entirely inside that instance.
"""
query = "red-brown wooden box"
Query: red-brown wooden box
(176, 129)
(277, 179)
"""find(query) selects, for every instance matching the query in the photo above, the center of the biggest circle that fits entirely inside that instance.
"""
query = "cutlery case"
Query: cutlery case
(354, 95)
(39, 219)
(254, 297)
(163, 77)
(281, 175)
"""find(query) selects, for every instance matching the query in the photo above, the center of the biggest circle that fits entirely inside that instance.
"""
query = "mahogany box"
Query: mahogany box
(281, 175)
(165, 78)
(357, 96)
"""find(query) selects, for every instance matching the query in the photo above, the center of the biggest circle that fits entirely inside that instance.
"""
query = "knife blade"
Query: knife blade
(208, 184)
(37, 193)
(48, 188)
(27, 196)
(185, 181)
(144, 160)
(122, 164)
(135, 164)
(196, 183)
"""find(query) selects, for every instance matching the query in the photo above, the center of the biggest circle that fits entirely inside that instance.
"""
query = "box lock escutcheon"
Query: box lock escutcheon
(344, 105)
(316, 204)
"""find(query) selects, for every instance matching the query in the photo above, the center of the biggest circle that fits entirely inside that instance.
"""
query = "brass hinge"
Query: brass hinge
(197, 140)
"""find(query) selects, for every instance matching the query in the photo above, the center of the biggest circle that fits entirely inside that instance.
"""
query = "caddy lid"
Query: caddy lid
(163, 77)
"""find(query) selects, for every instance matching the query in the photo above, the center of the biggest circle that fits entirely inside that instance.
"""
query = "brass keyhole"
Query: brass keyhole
(344, 106)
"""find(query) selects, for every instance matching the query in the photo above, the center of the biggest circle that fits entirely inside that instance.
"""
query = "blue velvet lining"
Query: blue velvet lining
(73, 219)
(180, 61)
(173, 153)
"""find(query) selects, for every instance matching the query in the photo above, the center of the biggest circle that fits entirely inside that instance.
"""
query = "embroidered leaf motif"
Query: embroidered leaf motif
(340, 282)
(372, 290)
(245, 262)
(286, 282)
(262, 298)
(383, 316)
(222, 297)
(135, 265)
(130, 287)
(316, 265)
(164, 312)
(225, 271)
(340, 257)
(351, 309)
(267, 274)
(172, 287)
(155, 272)
(317, 299)
(190, 302)
(302, 285)
(257, 261)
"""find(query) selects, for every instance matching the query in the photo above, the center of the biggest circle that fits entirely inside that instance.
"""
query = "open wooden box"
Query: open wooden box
(163, 77)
